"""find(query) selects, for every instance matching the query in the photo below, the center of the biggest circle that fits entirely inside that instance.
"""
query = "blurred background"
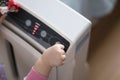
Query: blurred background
(104, 47)
(104, 51)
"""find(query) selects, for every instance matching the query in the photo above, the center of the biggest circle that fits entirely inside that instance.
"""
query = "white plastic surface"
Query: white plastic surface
(58, 15)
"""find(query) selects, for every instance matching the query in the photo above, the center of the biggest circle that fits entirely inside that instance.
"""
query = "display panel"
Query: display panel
(36, 29)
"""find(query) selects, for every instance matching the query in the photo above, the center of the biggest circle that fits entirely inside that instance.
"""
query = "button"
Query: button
(28, 22)
(33, 33)
(53, 40)
(35, 28)
(43, 34)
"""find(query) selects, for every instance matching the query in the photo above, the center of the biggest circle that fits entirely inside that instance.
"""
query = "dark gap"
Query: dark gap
(12, 59)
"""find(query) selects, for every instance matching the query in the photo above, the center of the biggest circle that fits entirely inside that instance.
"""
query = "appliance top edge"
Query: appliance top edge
(58, 16)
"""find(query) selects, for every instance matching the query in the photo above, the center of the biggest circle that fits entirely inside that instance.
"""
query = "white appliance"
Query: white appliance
(22, 44)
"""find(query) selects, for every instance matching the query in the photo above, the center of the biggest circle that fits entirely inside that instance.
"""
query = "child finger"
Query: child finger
(63, 57)
(61, 46)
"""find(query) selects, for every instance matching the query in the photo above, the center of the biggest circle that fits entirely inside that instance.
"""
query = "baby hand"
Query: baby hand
(54, 56)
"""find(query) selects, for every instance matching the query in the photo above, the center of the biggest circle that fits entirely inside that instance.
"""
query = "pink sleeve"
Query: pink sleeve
(34, 75)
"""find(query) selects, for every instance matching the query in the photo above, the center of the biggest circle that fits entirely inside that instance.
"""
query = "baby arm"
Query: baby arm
(52, 57)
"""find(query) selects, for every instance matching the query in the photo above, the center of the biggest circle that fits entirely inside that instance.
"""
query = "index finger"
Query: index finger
(61, 46)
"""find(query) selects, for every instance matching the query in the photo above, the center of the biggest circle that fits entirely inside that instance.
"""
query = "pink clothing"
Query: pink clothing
(34, 75)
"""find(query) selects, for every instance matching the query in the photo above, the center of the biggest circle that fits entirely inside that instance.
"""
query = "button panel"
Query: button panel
(36, 29)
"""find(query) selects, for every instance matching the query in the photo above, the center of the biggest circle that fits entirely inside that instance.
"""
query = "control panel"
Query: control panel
(36, 29)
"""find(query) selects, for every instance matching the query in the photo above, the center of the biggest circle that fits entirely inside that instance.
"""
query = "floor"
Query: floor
(104, 52)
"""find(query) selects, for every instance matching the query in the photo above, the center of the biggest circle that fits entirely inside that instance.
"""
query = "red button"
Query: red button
(33, 33)
(36, 26)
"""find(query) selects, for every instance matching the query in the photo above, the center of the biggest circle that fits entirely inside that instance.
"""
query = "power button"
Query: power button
(28, 22)
(43, 34)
